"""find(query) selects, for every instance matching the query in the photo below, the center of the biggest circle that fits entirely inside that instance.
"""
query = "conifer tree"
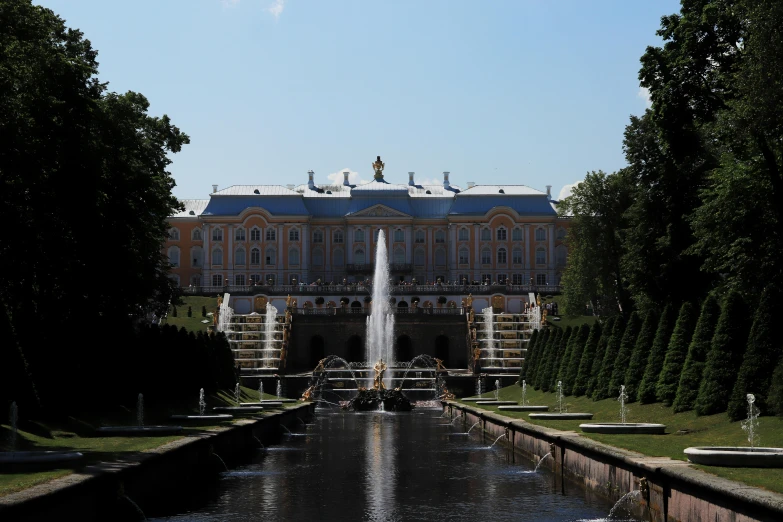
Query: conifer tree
(775, 395)
(576, 359)
(627, 344)
(586, 361)
(545, 353)
(646, 393)
(543, 337)
(692, 370)
(561, 349)
(676, 352)
(543, 380)
(566, 358)
(531, 346)
(641, 351)
(600, 351)
(607, 366)
(761, 356)
(724, 359)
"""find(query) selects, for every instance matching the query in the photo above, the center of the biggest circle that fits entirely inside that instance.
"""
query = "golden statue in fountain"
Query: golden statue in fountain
(377, 166)
(380, 369)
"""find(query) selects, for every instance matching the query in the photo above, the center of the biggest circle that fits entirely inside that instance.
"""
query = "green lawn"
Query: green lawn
(564, 321)
(193, 323)
(683, 430)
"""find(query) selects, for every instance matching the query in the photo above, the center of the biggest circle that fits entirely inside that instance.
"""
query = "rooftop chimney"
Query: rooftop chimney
(471, 184)
(446, 179)
(410, 178)
(214, 188)
(310, 182)
(345, 177)
(549, 192)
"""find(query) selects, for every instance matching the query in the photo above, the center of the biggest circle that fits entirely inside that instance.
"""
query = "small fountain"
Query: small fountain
(562, 410)
(139, 428)
(747, 457)
(524, 404)
(240, 408)
(623, 426)
(471, 428)
(202, 417)
(277, 403)
(279, 390)
(497, 389)
(493, 401)
(23, 461)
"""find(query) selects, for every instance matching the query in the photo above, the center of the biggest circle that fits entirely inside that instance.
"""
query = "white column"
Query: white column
(230, 241)
(551, 240)
(280, 256)
(305, 261)
(369, 255)
(452, 252)
(207, 258)
(528, 264)
(409, 244)
(430, 259)
(348, 245)
(476, 253)
(328, 254)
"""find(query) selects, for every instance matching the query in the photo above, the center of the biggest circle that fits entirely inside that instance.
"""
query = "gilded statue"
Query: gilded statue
(469, 301)
(377, 166)
(447, 395)
(439, 365)
(288, 301)
(380, 368)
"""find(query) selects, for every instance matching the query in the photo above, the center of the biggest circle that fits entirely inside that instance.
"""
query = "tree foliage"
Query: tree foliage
(640, 355)
(531, 346)
(669, 378)
(575, 359)
(607, 366)
(586, 361)
(600, 351)
(692, 370)
(646, 393)
(623, 359)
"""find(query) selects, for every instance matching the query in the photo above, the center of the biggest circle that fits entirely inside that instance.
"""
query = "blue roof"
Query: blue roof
(275, 205)
(532, 205)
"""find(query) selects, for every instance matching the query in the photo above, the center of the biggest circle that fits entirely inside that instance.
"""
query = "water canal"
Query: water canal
(380, 466)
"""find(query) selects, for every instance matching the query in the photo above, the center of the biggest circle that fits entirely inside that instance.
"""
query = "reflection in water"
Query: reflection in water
(382, 473)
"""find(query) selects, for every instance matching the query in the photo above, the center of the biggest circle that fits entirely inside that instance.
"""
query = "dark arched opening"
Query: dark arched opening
(356, 304)
(404, 349)
(354, 349)
(442, 349)
(402, 304)
(317, 350)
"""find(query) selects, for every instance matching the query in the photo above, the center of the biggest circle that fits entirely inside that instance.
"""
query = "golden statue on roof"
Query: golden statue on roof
(378, 168)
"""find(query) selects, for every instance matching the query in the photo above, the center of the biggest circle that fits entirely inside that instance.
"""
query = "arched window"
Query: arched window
(217, 257)
(561, 234)
(174, 234)
(516, 256)
(464, 256)
(463, 234)
(502, 256)
(271, 235)
(418, 257)
(318, 236)
(440, 236)
(293, 256)
(375, 235)
(239, 256)
(318, 257)
(338, 237)
(399, 235)
(358, 257)
(501, 234)
(339, 258)
(255, 234)
(255, 256)
(561, 254)
(516, 234)
(239, 234)
(271, 256)
(540, 234)
(358, 235)
(196, 256)
(293, 234)
(255, 279)
(174, 256)
(195, 280)
(419, 236)
(486, 235)
(196, 235)
(486, 256)
(217, 234)
(440, 257)
(399, 256)
(540, 256)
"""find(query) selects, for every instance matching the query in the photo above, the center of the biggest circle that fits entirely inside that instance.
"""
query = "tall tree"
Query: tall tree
(562, 371)
(607, 366)
(623, 359)
(546, 357)
(575, 359)
(641, 352)
(543, 338)
(531, 346)
(692, 370)
(646, 393)
(586, 361)
(556, 353)
(676, 352)
(600, 352)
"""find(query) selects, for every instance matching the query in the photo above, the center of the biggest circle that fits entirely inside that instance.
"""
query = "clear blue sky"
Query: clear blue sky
(506, 92)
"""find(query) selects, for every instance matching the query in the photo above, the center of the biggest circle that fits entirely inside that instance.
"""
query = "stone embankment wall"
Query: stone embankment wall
(677, 491)
(151, 479)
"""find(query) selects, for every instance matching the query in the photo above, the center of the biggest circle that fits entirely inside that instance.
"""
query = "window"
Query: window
(501, 234)
(464, 256)
(516, 234)
(399, 235)
(502, 256)
(318, 257)
(516, 279)
(293, 256)
(338, 237)
(540, 256)
(358, 236)
(239, 234)
(375, 235)
(463, 279)
(239, 280)
(271, 255)
(486, 235)
(561, 254)
(318, 236)
(255, 234)
(540, 279)
(419, 236)
(418, 257)
(217, 257)
(217, 280)
(255, 279)
(293, 279)
(174, 234)
(516, 256)
(217, 234)
(271, 235)
(486, 278)
(338, 257)
(502, 279)
(561, 234)
(540, 234)
(197, 255)
(195, 280)
(358, 257)
(196, 235)
(255, 256)
(240, 257)
(440, 257)
(440, 236)
(271, 279)
(486, 257)
(174, 256)
(293, 234)
(463, 234)
(399, 256)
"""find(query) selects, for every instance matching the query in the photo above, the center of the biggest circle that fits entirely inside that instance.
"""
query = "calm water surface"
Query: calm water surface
(391, 467)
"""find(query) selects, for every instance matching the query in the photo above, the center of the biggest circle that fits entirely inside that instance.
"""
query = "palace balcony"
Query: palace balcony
(369, 268)
(354, 289)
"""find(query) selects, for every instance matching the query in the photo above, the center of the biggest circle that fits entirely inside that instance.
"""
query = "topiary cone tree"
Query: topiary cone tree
(550, 370)
(543, 339)
(561, 350)
(576, 359)
(761, 356)
(724, 357)
(607, 366)
(545, 365)
(646, 393)
(586, 360)
(528, 355)
(623, 359)
(600, 351)
(669, 378)
(641, 351)
(566, 358)
(692, 370)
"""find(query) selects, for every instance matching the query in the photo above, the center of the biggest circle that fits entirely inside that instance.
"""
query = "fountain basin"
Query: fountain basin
(474, 399)
(202, 419)
(740, 457)
(625, 428)
(495, 403)
(517, 407)
(239, 410)
(36, 460)
(270, 404)
(561, 416)
(138, 431)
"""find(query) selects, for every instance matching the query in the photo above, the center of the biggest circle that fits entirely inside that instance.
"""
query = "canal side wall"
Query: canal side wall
(104, 491)
(677, 491)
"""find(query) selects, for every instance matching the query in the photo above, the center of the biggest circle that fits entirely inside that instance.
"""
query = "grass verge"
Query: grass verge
(193, 323)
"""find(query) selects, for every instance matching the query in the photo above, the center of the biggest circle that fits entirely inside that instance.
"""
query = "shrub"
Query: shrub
(562, 365)
(669, 378)
(586, 360)
(627, 344)
(775, 395)
(543, 339)
(761, 355)
(344, 300)
(173, 311)
(190, 311)
(641, 351)
(367, 299)
(725, 356)
(576, 358)
(442, 299)
(600, 351)
(692, 370)
(546, 355)
(646, 394)
(531, 346)
(554, 361)
(607, 366)
(319, 300)
(203, 311)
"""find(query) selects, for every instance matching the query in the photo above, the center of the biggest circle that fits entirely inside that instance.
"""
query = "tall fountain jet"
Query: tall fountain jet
(380, 322)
